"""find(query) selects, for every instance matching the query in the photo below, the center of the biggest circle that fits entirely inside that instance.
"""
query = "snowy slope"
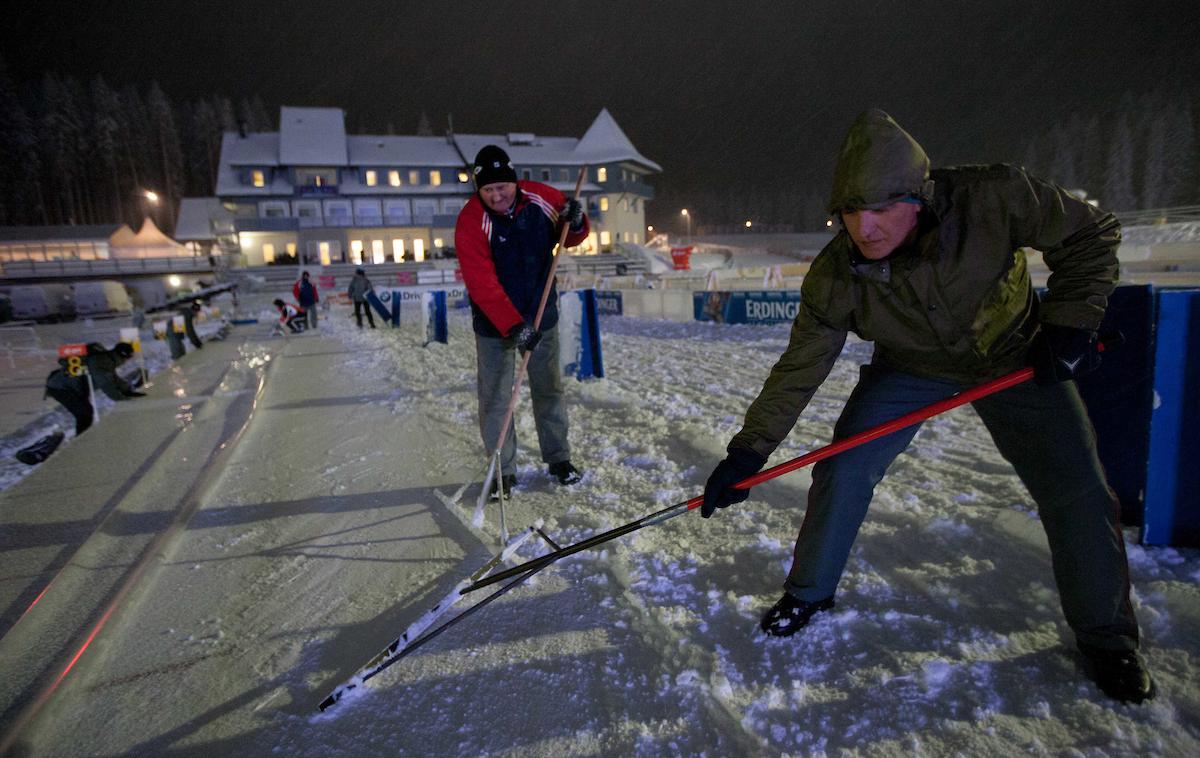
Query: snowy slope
(326, 536)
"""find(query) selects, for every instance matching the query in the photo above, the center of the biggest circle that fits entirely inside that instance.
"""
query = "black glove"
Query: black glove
(526, 337)
(739, 464)
(572, 213)
(1059, 353)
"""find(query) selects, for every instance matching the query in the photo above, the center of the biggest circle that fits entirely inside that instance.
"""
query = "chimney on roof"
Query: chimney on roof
(242, 128)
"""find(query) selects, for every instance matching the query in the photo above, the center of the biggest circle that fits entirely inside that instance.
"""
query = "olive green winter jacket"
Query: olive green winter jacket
(958, 304)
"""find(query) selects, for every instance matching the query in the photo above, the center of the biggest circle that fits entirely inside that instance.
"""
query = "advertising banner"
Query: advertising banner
(579, 352)
(609, 303)
(433, 306)
(386, 303)
(747, 307)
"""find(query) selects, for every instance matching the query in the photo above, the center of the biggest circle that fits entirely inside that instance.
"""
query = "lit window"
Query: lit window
(605, 238)
(291, 249)
(414, 177)
(435, 178)
(438, 242)
(398, 251)
(418, 250)
(268, 252)
(356, 250)
(324, 248)
(372, 179)
(318, 181)
(377, 251)
(258, 178)
(463, 177)
(602, 174)
(603, 203)
(394, 178)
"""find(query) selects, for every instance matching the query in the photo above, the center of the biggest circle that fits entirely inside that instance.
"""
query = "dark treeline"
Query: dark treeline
(1143, 152)
(85, 153)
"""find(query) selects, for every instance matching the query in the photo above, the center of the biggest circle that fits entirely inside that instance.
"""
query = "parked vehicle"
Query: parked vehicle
(42, 302)
(93, 298)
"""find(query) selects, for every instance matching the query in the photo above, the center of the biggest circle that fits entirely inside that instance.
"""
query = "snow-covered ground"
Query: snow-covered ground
(324, 533)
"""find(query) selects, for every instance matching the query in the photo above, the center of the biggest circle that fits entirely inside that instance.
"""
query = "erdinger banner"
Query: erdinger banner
(433, 307)
(579, 351)
(386, 303)
(749, 307)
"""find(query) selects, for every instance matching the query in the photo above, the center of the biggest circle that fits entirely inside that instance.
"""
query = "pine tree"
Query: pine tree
(1118, 194)
(59, 136)
(424, 128)
(20, 193)
(105, 128)
(170, 155)
(225, 113)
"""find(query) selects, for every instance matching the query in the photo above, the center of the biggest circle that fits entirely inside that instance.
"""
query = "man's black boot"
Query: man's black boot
(1120, 674)
(791, 614)
(508, 481)
(565, 473)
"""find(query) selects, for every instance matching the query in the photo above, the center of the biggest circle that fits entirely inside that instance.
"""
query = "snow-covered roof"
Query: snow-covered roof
(196, 215)
(256, 149)
(391, 150)
(604, 142)
(540, 151)
(312, 137)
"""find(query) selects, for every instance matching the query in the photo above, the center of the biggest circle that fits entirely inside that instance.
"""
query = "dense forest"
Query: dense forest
(84, 153)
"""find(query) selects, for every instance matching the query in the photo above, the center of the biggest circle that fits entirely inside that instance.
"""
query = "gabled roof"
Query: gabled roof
(604, 142)
(312, 137)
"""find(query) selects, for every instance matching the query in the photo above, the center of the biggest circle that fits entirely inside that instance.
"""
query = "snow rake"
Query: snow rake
(409, 642)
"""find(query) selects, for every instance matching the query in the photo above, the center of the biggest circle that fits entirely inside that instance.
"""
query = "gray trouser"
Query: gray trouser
(495, 366)
(311, 313)
(1044, 432)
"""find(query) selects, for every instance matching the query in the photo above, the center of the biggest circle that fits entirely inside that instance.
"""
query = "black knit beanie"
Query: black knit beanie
(492, 165)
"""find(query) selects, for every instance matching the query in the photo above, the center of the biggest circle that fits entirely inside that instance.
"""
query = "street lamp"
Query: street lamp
(747, 223)
(687, 217)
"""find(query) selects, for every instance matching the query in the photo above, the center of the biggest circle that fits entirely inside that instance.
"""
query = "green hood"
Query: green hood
(879, 164)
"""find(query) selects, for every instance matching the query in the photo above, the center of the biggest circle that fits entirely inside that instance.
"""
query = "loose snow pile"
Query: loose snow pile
(947, 637)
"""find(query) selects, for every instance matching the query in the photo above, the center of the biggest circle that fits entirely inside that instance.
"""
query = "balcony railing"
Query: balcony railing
(79, 268)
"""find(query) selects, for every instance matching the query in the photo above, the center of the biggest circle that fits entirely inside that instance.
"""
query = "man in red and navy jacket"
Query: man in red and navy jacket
(505, 238)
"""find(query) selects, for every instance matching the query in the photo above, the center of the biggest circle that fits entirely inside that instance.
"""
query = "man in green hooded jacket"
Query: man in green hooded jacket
(930, 268)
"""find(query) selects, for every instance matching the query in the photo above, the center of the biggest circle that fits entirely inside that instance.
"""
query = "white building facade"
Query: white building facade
(312, 191)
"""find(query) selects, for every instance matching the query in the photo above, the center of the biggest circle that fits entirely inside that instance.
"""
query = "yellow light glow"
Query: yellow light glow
(747, 224)
(174, 281)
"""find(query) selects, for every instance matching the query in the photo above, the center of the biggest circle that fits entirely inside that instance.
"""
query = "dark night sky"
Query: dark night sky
(715, 92)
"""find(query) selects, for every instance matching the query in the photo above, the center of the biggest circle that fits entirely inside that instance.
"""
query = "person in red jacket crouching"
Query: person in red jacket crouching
(505, 238)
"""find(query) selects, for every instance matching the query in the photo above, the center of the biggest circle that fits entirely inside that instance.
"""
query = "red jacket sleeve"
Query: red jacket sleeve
(474, 250)
(296, 290)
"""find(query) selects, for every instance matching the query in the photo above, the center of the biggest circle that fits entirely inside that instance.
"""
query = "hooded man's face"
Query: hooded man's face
(877, 233)
(498, 196)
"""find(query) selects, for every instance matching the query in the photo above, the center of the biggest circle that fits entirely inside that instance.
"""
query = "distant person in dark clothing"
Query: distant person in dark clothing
(189, 313)
(70, 387)
(306, 294)
(360, 285)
